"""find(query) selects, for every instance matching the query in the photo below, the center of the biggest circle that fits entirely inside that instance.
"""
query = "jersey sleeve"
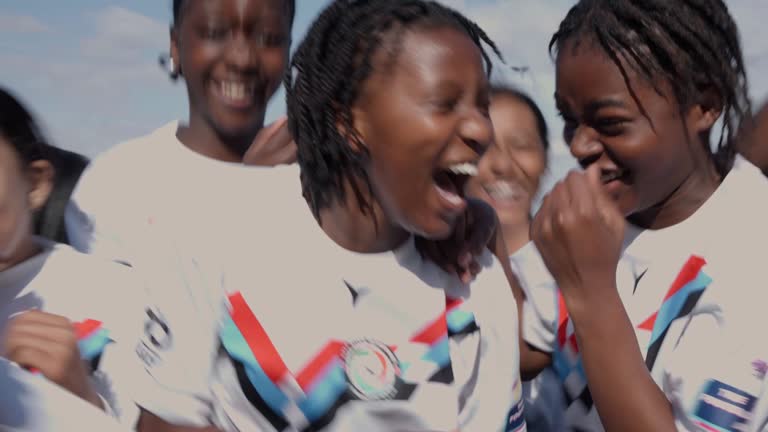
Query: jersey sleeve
(540, 307)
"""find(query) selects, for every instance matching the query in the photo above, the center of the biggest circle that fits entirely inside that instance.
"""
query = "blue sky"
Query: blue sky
(89, 68)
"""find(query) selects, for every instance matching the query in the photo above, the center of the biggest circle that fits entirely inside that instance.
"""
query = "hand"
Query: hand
(48, 343)
(579, 231)
(458, 253)
(272, 146)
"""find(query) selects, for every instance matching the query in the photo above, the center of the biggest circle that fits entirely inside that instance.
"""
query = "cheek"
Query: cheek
(273, 63)
(15, 220)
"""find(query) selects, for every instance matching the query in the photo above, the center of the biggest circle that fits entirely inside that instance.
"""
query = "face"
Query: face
(509, 172)
(643, 159)
(15, 211)
(232, 55)
(423, 117)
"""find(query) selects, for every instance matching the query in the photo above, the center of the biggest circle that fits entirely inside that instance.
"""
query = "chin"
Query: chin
(439, 230)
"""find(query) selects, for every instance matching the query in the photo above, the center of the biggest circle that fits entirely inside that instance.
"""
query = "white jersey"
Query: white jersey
(157, 180)
(693, 294)
(99, 297)
(303, 335)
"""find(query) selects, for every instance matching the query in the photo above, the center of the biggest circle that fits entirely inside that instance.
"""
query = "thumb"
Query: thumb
(268, 132)
(593, 176)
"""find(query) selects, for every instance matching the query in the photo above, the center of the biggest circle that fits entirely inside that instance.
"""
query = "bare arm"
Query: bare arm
(532, 360)
(626, 396)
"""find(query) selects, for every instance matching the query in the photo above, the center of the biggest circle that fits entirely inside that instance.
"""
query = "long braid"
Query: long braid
(693, 44)
(325, 78)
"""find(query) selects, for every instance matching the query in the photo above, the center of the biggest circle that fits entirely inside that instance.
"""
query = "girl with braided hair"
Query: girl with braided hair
(645, 294)
(348, 327)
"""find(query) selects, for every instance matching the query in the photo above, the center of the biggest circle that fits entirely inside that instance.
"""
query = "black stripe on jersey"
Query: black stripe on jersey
(653, 350)
(468, 329)
(94, 363)
(276, 420)
(443, 376)
(404, 391)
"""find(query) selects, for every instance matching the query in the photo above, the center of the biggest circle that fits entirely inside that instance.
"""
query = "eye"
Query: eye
(271, 39)
(610, 126)
(445, 105)
(215, 33)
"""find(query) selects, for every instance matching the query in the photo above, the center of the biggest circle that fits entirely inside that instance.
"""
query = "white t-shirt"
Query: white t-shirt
(313, 337)
(156, 180)
(30, 403)
(99, 297)
(693, 293)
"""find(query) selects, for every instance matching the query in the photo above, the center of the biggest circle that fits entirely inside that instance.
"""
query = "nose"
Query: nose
(242, 52)
(585, 145)
(476, 131)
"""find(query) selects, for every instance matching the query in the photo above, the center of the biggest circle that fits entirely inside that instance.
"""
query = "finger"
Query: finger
(288, 154)
(581, 194)
(30, 358)
(20, 333)
(267, 133)
(41, 318)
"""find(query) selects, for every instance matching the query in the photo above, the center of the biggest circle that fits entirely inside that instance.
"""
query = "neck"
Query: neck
(516, 235)
(26, 250)
(353, 230)
(201, 138)
(684, 201)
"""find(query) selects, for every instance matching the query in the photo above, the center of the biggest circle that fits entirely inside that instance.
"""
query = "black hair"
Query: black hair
(522, 97)
(179, 5)
(692, 44)
(20, 129)
(325, 78)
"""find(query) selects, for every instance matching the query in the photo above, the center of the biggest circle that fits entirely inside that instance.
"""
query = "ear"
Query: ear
(703, 115)
(174, 52)
(40, 174)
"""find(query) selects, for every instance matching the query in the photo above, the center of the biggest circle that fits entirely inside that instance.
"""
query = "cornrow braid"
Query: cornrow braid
(324, 81)
(692, 44)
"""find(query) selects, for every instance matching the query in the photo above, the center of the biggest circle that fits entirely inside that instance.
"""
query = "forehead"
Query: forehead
(584, 71)
(430, 54)
(263, 10)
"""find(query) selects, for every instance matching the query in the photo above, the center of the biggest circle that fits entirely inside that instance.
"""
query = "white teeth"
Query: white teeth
(449, 196)
(235, 90)
(466, 168)
(503, 190)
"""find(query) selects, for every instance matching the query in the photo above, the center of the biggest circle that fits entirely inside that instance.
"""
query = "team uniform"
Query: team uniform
(693, 293)
(303, 335)
(97, 296)
(155, 179)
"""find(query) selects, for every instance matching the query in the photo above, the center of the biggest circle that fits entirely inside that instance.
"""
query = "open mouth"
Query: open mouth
(504, 191)
(610, 175)
(450, 181)
(236, 93)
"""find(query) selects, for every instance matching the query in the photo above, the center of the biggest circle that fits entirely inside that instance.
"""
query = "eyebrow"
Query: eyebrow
(594, 106)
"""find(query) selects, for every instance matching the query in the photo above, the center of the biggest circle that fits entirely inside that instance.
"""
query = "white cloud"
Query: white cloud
(14, 23)
(121, 34)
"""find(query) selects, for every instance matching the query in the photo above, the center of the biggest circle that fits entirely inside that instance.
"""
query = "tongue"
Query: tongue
(447, 189)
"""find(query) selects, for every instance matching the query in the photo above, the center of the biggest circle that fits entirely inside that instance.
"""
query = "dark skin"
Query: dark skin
(436, 92)
(753, 142)
(423, 112)
(669, 176)
(232, 55)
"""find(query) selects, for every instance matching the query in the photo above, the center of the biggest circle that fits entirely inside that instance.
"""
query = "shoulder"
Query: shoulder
(120, 163)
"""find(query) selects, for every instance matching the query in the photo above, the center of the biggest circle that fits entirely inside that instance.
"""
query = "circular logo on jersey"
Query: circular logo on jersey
(372, 369)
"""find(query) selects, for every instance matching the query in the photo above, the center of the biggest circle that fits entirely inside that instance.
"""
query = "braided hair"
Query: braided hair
(325, 78)
(179, 5)
(692, 44)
